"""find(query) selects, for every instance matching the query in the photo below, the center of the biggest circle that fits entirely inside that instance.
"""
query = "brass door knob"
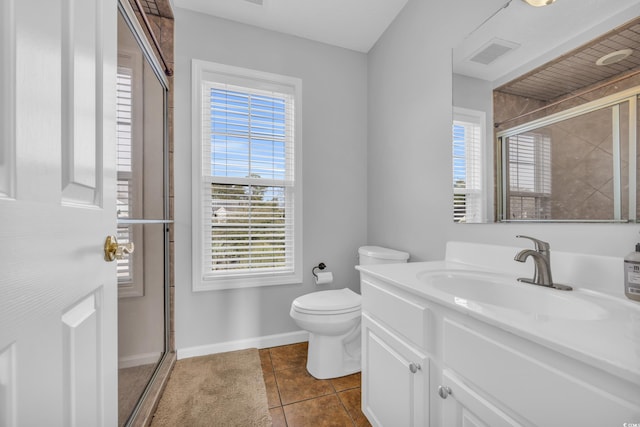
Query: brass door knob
(113, 250)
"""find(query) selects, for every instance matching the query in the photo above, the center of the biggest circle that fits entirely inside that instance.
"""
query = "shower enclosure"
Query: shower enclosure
(143, 212)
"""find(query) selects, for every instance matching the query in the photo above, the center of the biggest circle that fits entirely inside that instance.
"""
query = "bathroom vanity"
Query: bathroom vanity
(461, 342)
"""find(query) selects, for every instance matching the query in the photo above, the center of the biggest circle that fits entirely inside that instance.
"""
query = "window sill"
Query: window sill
(130, 290)
(223, 283)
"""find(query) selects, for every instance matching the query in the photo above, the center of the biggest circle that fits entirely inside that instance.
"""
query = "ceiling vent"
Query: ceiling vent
(493, 50)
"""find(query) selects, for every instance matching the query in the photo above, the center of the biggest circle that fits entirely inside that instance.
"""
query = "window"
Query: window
(129, 170)
(247, 181)
(529, 160)
(468, 194)
(125, 172)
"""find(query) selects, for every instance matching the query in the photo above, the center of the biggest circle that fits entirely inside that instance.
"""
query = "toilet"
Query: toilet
(332, 319)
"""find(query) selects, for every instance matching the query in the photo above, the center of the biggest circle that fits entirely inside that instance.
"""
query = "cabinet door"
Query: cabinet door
(395, 379)
(463, 407)
(531, 384)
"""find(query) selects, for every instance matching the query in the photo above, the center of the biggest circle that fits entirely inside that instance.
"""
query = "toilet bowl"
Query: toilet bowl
(332, 319)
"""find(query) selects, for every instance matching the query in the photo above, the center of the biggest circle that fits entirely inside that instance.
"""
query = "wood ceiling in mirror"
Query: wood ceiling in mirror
(577, 69)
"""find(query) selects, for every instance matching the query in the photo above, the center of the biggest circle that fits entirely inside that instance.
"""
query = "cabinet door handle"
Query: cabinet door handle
(444, 391)
(414, 367)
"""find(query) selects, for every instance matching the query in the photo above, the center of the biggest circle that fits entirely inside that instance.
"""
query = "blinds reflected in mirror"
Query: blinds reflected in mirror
(529, 175)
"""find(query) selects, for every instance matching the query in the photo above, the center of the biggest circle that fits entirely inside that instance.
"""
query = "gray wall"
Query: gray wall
(472, 93)
(377, 159)
(334, 103)
(409, 149)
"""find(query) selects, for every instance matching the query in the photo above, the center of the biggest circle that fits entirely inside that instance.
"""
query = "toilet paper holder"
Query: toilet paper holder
(320, 266)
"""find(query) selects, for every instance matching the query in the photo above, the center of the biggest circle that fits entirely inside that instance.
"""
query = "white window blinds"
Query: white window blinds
(468, 195)
(124, 115)
(247, 181)
(529, 175)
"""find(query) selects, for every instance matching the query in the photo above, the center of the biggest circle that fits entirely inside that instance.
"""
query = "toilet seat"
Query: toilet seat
(339, 301)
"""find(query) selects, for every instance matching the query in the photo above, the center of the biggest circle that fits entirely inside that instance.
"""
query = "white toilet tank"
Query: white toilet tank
(378, 255)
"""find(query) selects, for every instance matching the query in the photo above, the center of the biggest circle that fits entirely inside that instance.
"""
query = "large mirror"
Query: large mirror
(545, 110)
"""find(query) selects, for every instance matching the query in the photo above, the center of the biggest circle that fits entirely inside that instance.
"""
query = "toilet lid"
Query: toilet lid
(329, 302)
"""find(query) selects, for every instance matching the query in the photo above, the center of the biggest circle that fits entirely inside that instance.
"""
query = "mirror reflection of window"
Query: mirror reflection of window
(125, 175)
(529, 189)
(129, 167)
(468, 146)
(124, 137)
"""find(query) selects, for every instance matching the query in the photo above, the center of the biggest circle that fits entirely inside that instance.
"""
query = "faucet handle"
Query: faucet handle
(541, 246)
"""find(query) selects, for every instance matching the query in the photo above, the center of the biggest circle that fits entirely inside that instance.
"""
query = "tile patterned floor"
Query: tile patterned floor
(296, 399)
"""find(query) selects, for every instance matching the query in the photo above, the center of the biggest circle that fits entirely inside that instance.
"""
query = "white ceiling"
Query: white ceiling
(351, 24)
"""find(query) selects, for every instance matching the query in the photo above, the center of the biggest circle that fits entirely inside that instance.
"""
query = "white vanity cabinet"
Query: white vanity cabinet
(425, 363)
(395, 365)
(498, 379)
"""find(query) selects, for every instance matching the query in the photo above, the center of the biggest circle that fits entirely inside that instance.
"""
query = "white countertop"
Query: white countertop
(610, 342)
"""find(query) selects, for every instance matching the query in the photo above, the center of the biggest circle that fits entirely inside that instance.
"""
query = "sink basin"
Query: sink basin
(482, 291)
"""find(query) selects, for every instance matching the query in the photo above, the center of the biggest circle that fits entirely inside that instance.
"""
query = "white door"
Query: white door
(58, 364)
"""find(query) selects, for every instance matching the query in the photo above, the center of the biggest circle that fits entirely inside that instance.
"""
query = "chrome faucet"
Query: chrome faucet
(542, 261)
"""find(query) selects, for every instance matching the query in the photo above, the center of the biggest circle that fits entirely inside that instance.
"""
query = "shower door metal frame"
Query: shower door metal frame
(168, 357)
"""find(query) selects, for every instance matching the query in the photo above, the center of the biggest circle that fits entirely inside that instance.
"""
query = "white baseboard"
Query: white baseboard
(138, 359)
(257, 342)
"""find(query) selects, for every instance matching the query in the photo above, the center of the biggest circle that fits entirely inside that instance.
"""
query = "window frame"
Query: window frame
(477, 118)
(205, 71)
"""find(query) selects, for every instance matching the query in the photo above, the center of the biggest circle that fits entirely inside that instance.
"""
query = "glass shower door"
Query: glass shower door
(142, 196)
